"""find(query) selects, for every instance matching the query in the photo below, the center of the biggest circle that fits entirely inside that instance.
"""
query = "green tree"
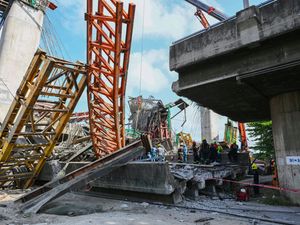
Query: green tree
(261, 133)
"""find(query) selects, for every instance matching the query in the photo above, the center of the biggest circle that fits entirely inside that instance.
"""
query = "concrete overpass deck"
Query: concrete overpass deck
(248, 68)
(237, 66)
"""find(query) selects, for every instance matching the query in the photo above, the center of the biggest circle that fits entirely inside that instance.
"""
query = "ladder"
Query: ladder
(37, 116)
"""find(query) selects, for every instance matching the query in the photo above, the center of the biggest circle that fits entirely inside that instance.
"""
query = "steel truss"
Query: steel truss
(109, 40)
(36, 119)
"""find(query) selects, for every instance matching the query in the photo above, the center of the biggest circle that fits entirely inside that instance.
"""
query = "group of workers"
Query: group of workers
(207, 153)
(157, 153)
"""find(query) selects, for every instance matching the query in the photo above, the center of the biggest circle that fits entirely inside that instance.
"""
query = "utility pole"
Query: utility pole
(246, 4)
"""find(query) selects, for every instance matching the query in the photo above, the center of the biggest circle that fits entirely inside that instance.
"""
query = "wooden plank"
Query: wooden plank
(76, 180)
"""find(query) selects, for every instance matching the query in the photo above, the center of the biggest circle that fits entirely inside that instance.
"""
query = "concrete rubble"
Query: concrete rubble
(144, 178)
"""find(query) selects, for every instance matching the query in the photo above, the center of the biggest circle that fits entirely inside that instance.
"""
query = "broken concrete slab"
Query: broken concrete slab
(78, 179)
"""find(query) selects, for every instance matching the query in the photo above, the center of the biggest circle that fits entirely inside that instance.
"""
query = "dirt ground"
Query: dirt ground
(79, 209)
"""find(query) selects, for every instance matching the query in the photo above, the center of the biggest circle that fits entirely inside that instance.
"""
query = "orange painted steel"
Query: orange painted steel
(244, 142)
(202, 18)
(109, 29)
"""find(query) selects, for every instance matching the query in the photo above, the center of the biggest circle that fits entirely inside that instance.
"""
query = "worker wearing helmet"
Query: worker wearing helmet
(219, 150)
(161, 152)
(204, 152)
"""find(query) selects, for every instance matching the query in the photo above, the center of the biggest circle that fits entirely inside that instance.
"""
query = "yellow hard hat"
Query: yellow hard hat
(254, 166)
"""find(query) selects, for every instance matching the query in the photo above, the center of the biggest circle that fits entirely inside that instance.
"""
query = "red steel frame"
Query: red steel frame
(108, 52)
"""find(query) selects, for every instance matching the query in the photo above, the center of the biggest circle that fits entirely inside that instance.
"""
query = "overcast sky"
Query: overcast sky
(165, 21)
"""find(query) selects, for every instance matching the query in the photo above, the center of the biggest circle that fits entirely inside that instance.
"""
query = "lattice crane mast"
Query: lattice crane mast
(109, 35)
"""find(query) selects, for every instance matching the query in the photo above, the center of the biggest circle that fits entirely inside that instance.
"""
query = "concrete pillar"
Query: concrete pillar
(20, 39)
(285, 113)
(209, 125)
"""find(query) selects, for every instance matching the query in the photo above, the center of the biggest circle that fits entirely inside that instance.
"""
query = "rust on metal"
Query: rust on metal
(36, 119)
(109, 29)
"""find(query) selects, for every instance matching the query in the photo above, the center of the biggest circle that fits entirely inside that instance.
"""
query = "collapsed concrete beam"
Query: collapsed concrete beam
(145, 177)
(35, 200)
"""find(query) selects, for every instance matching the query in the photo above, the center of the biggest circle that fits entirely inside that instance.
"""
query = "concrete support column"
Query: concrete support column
(19, 41)
(209, 125)
(285, 112)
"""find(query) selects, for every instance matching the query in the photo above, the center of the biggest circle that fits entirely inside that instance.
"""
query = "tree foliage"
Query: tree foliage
(261, 133)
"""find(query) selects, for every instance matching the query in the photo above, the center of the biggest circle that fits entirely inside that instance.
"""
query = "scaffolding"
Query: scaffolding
(109, 29)
(36, 119)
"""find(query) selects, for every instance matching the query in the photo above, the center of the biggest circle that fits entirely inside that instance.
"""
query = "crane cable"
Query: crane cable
(142, 47)
(141, 65)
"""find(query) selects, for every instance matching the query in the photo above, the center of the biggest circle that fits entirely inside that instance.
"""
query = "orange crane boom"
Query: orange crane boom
(202, 7)
(108, 51)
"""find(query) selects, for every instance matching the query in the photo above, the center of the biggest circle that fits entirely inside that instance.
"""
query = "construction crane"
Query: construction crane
(221, 17)
(108, 51)
(202, 7)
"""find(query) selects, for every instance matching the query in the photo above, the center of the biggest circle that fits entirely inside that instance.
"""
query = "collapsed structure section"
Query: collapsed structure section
(42, 107)
(109, 29)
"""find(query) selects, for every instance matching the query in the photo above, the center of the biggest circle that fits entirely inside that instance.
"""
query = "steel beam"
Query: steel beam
(78, 179)
(108, 58)
(31, 128)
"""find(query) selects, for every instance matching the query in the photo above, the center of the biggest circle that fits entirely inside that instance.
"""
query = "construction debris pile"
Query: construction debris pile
(48, 149)
(149, 116)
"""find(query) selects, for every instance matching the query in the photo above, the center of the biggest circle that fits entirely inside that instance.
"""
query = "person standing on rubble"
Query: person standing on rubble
(255, 171)
(185, 153)
(213, 153)
(180, 153)
(195, 152)
(161, 152)
(233, 153)
(219, 150)
(204, 152)
(153, 154)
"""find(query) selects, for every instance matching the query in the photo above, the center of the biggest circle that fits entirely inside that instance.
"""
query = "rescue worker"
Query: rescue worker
(213, 153)
(204, 152)
(153, 154)
(219, 150)
(185, 153)
(255, 177)
(180, 153)
(195, 152)
(233, 153)
(161, 152)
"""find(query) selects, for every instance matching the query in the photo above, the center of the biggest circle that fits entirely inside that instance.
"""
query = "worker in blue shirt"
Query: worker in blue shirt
(185, 153)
